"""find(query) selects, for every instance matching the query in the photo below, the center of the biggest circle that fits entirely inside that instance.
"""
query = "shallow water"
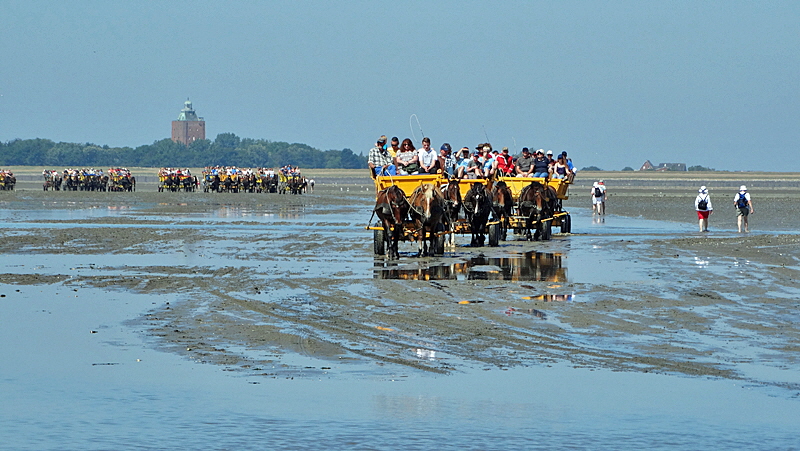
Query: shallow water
(79, 369)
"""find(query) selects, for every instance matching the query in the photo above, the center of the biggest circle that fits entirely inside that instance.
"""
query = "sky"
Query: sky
(614, 83)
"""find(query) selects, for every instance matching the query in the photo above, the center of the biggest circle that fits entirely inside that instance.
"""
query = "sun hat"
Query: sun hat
(703, 189)
(743, 188)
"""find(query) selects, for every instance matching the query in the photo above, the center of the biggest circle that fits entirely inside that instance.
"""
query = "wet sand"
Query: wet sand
(259, 280)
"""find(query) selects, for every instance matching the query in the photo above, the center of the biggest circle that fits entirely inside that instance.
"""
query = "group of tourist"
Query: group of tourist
(172, 172)
(702, 205)
(483, 162)
(741, 202)
(71, 172)
(288, 170)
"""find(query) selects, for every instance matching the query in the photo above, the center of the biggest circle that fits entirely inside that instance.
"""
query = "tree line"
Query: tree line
(226, 150)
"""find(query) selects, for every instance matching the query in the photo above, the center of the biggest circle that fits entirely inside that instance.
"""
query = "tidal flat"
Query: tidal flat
(262, 294)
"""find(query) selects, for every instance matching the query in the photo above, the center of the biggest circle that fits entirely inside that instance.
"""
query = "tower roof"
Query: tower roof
(187, 113)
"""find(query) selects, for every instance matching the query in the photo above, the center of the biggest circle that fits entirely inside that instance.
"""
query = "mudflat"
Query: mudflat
(257, 279)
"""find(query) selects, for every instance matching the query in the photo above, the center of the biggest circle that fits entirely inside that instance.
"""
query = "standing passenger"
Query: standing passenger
(744, 207)
(702, 204)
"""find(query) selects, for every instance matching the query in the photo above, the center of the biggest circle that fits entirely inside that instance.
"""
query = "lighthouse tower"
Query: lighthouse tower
(188, 128)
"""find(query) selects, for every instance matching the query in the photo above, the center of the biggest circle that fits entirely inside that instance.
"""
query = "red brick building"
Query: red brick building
(188, 128)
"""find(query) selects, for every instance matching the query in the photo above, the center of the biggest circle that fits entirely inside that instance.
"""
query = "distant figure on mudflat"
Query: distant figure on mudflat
(702, 204)
(744, 208)
(598, 196)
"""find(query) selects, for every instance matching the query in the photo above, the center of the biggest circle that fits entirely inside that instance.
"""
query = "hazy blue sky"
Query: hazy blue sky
(613, 83)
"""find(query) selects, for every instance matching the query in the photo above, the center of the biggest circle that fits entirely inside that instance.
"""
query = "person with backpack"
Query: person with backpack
(744, 208)
(702, 204)
(598, 197)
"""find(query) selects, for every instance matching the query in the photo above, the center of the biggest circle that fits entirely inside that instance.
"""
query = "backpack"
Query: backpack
(741, 202)
(702, 204)
(598, 192)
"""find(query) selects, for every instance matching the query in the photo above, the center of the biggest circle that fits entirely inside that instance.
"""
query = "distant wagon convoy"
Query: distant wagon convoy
(117, 179)
(170, 179)
(231, 179)
(7, 180)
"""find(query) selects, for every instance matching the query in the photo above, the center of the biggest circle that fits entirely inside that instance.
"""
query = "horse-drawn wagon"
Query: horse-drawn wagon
(479, 207)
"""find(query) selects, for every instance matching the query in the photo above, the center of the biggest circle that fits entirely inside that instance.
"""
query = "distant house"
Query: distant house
(671, 167)
(648, 166)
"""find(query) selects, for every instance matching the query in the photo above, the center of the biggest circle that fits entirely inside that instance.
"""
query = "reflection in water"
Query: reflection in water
(535, 266)
(552, 297)
(532, 311)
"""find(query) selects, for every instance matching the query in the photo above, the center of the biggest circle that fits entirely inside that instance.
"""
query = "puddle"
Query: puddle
(530, 266)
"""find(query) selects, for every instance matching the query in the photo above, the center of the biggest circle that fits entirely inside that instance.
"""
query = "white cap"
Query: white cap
(549, 152)
(742, 188)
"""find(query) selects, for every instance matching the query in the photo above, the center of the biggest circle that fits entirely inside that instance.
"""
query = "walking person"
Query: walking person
(602, 185)
(702, 204)
(597, 199)
(744, 208)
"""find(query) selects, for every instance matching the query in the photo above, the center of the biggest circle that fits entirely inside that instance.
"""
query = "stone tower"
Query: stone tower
(188, 128)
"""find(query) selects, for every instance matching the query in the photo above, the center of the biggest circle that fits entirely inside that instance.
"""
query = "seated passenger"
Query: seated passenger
(541, 167)
(447, 162)
(428, 160)
(524, 166)
(379, 160)
(407, 160)
(560, 168)
(505, 164)
(475, 167)
(462, 161)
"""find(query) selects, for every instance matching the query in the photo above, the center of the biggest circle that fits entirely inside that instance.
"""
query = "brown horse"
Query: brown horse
(453, 204)
(391, 208)
(502, 203)
(428, 212)
(478, 207)
(532, 204)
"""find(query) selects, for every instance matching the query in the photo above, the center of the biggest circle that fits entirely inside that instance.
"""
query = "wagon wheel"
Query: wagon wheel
(566, 224)
(494, 235)
(439, 240)
(547, 230)
(378, 244)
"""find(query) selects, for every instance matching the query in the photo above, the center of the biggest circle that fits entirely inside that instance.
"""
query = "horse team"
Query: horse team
(118, 179)
(431, 215)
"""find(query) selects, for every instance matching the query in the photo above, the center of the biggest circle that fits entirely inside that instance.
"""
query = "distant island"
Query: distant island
(226, 150)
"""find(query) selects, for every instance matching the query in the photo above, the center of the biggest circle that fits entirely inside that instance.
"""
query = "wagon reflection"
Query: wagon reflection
(530, 266)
